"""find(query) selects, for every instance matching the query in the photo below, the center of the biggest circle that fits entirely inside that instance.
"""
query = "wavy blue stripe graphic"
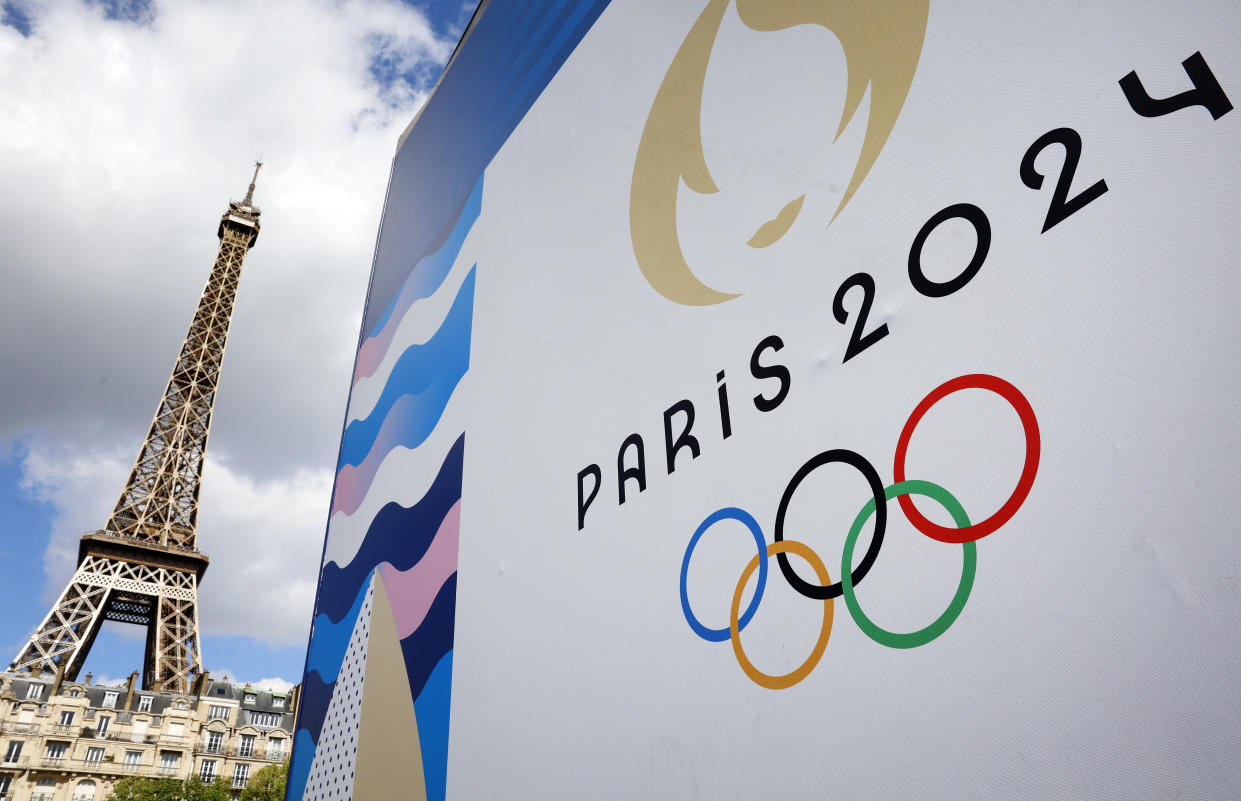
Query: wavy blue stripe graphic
(431, 709)
(427, 645)
(398, 535)
(331, 640)
(430, 272)
(429, 373)
(299, 769)
(312, 705)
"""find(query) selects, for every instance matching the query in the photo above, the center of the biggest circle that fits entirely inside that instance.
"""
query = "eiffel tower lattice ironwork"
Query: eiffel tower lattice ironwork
(144, 566)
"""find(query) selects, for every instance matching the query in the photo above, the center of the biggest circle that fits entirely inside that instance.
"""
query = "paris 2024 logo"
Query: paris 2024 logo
(882, 41)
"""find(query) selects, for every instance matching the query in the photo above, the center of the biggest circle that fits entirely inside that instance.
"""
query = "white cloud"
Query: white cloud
(277, 684)
(122, 143)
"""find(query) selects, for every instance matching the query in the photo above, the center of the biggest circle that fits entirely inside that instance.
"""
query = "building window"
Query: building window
(15, 751)
(85, 791)
(94, 754)
(4, 787)
(250, 698)
(241, 775)
(215, 742)
(144, 703)
(247, 745)
(66, 718)
(133, 757)
(264, 720)
(217, 712)
(34, 692)
(207, 772)
(277, 701)
(101, 726)
(109, 700)
(275, 749)
(73, 693)
(44, 790)
(55, 753)
(180, 705)
(169, 759)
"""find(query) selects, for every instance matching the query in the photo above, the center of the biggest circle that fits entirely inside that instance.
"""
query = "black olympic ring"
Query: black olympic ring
(817, 591)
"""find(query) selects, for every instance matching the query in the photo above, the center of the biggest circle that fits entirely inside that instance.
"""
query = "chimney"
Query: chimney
(129, 691)
(88, 677)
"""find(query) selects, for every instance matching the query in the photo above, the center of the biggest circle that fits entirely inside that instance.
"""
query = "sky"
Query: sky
(125, 129)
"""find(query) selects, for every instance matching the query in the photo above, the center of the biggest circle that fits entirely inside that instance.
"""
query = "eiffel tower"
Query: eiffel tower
(144, 566)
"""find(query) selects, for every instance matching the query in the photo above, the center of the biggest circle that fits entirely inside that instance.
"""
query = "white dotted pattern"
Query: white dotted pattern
(331, 772)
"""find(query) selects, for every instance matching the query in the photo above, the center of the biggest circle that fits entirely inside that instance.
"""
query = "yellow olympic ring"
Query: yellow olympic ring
(789, 679)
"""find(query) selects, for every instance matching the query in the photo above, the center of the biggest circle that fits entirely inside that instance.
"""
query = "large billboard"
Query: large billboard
(792, 399)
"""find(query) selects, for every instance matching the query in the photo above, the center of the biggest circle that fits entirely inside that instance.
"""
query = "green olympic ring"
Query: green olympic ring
(922, 636)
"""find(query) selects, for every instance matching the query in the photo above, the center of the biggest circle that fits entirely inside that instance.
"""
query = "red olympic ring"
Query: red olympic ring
(1033, 448)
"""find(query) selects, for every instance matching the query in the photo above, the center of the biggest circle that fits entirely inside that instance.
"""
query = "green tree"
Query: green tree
(141, 789)
(198, 790)
(268, 784)
(134, 788)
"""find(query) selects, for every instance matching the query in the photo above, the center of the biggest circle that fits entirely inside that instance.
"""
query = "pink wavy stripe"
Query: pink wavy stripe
(353, 481)
(371, 354)
(411, 592)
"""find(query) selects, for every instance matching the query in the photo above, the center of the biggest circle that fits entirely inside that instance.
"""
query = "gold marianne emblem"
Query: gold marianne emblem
(882, 41)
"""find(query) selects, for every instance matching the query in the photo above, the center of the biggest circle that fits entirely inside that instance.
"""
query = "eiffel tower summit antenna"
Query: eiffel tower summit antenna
(143, 567)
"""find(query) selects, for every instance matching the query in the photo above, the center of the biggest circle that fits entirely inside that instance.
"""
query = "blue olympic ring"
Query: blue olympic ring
(742, 516)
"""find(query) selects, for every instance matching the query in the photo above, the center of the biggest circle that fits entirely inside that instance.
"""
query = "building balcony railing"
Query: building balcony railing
(211, 749)
(83, 797)
(168, 770)
(19, 728)
(239, 782)
(41, 797)
(62, 728)
(54, 762)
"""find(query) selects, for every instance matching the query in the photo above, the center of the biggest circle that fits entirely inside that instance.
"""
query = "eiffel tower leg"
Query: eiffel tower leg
(175, 639)
(65, 635)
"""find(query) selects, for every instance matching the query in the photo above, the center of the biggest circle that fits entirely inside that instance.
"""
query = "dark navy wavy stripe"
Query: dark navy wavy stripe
(312, 705)
(427, 645)
(475, 109)
(429, 372)
(398, 535)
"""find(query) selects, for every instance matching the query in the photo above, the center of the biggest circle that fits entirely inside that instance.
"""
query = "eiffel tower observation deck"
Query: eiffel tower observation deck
(143, 567)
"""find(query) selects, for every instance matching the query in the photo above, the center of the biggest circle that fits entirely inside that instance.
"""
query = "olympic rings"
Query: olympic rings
(729, 513)
(1033, 447)
(815, 591)
(965, 535)
(789, 679)
(922, 636)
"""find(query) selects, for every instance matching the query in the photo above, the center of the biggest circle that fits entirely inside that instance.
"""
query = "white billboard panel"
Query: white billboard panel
(792, 399)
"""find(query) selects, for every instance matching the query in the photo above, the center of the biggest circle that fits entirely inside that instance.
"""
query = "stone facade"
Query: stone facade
(71, 741)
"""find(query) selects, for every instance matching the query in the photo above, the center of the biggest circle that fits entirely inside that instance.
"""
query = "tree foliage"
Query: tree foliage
(136, 788)
(268, 784)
